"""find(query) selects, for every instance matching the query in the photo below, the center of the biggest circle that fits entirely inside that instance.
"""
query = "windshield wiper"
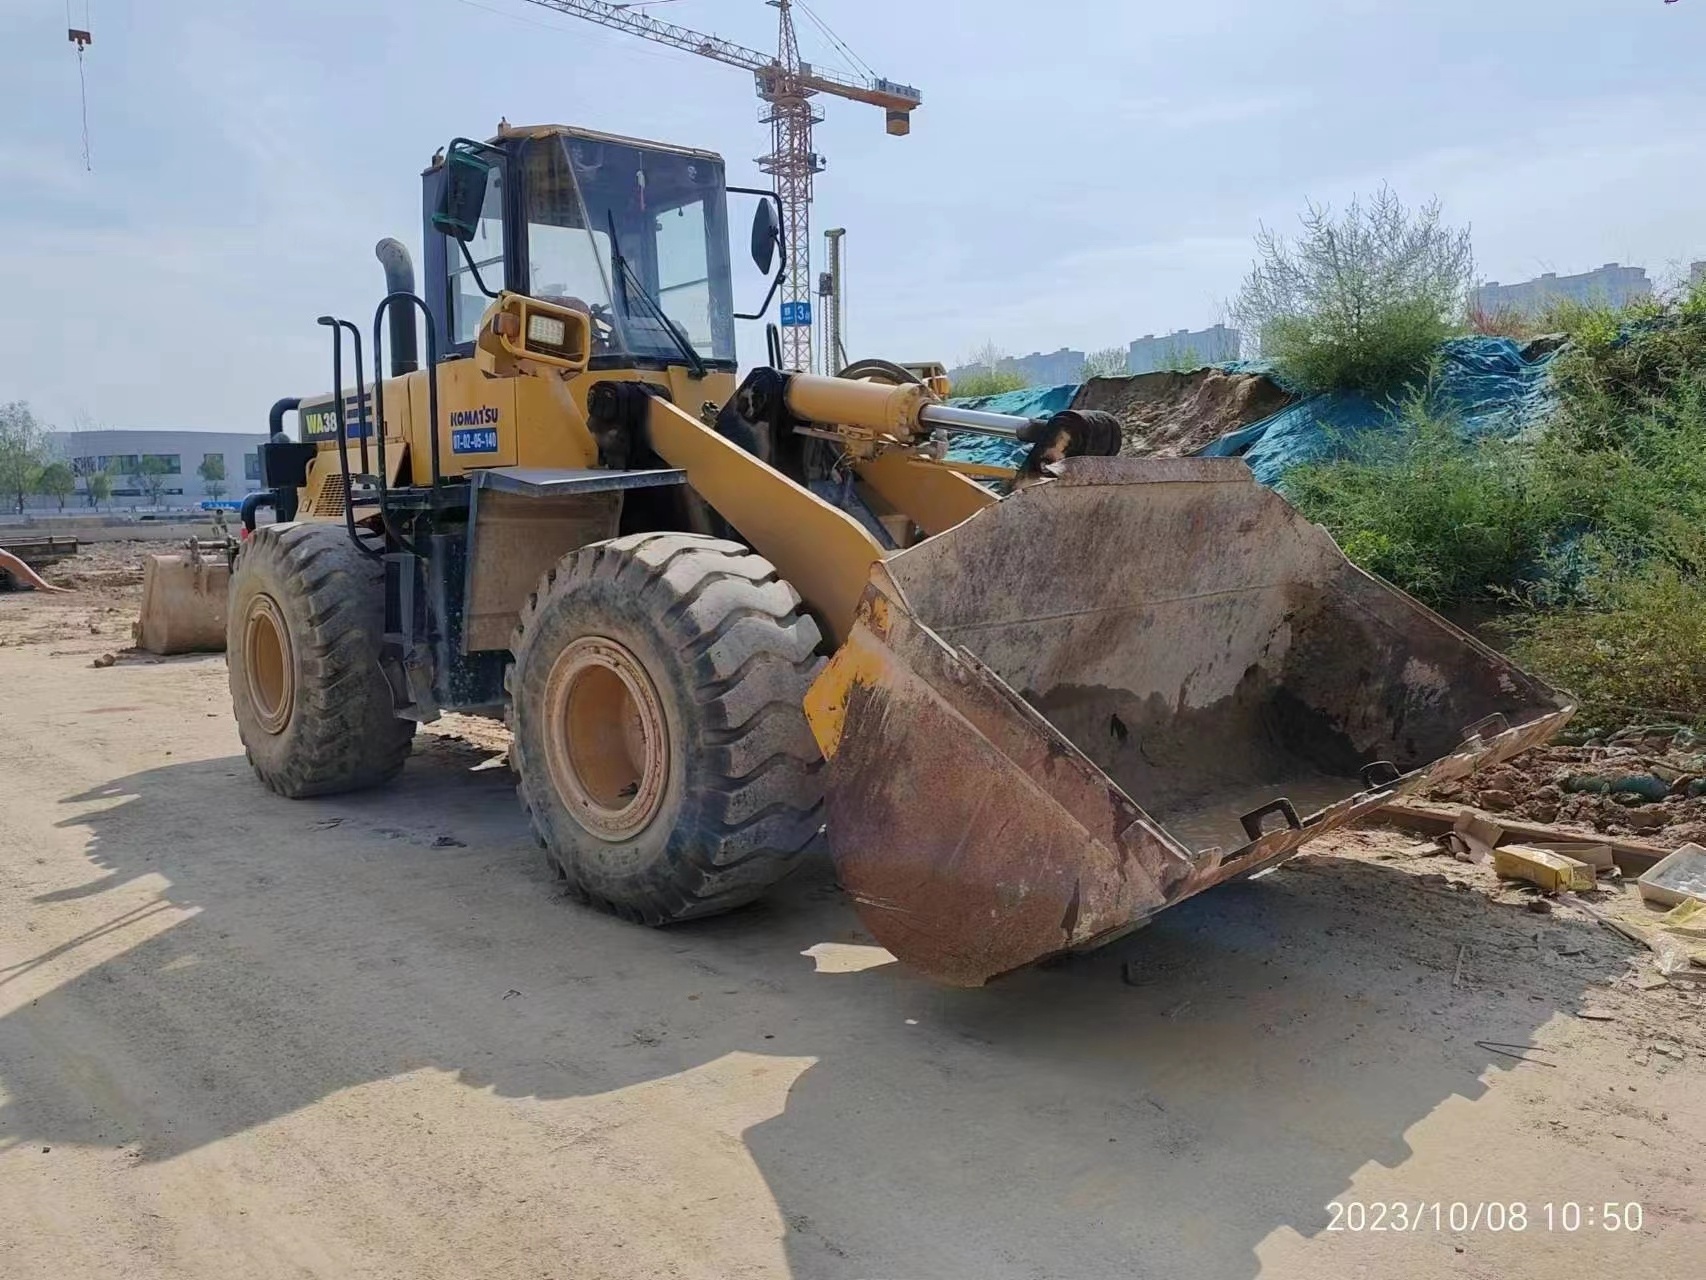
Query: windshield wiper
(626, 275)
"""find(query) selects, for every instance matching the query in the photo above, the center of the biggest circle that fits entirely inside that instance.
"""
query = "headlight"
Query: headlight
(546, 331)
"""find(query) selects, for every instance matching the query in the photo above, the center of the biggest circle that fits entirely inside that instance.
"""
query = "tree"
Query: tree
(1110, 362)
(212, 473)
(1182, 360)
(99, 486)
(989, 371)
(150, 476)
(1359, 301)
(23, 451)
(56, 481)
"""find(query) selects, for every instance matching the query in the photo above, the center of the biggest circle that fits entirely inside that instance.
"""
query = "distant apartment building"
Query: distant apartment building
(1039, 369)
(1046, 369)
(179, 458)
(1610, 286)
(1183, 348)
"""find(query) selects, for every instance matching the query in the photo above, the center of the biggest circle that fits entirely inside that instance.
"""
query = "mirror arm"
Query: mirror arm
(469, 259)
(765, 305)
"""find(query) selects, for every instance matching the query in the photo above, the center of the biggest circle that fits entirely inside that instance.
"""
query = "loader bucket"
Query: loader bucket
(1120, 687)
(183, 603)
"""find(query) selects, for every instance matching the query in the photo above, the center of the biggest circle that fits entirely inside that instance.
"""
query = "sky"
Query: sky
(1080, 173)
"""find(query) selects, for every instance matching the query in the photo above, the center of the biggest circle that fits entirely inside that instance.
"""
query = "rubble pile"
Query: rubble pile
(1640, 781)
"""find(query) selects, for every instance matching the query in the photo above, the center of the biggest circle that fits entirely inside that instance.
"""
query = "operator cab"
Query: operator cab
(634, 234)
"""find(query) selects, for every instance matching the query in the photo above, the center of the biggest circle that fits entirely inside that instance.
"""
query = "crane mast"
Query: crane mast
(786, 86)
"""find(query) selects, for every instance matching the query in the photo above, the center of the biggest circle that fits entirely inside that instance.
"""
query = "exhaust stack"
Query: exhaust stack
(393, 255)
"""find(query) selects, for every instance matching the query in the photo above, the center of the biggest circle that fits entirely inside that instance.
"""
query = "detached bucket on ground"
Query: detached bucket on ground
(183, 601)
(1115, 689)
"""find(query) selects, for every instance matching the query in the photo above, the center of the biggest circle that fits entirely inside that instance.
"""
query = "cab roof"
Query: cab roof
(507, 130)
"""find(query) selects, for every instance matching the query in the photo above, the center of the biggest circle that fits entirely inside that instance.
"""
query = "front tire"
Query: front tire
(656, 703)
(304, 626)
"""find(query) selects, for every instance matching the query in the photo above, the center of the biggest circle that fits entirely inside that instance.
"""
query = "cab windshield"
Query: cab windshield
(636, 238)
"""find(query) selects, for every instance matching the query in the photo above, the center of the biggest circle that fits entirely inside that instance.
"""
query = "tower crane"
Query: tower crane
(786, 86)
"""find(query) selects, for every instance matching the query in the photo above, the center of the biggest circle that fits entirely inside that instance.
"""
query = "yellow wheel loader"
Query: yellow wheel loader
(721, 619)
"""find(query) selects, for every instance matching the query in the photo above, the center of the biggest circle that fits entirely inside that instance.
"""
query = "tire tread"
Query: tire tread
(749, 652)
(344, 736)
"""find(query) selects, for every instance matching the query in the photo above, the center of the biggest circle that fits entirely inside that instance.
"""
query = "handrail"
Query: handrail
(337, 327)
(385, 304)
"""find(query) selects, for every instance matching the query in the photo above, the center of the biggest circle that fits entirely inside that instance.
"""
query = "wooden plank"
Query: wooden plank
(1430, 818)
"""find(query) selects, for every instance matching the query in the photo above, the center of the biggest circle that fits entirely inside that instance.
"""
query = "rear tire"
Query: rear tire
(656, 704)
(305, 624)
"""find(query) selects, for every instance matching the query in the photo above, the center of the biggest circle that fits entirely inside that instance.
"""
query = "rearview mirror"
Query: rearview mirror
(463, 195)
(766, 244)
(765, 235)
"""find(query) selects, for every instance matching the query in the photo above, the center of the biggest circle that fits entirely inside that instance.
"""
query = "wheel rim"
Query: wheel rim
(269, 663)
(606, 740)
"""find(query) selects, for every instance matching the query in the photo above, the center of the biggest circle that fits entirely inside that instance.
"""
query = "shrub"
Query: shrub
(989, 382)
(1182, 360)
(1110, 362)
(1360, 301)
(1448, 521)
(1622, 366)
(1636, 652)
(1376, 353)
(1559, 315)
(1593, 535)
(1504, 322)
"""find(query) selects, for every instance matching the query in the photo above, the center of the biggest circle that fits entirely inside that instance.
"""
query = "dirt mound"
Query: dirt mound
(1172, 414)
(1645, 782)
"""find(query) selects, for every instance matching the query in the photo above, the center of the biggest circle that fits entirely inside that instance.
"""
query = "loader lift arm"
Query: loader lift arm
(889, 434)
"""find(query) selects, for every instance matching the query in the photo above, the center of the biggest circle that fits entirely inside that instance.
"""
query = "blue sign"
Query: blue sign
(797, 315)
(475, 440)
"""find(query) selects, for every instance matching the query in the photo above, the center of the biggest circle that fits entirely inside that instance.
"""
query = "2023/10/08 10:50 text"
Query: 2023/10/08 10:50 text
(1484, 1215)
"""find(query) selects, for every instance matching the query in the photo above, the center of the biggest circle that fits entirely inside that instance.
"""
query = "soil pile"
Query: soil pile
(1171, 414)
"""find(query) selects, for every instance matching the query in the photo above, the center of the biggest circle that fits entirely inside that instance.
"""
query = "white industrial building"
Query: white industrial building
(185, 456)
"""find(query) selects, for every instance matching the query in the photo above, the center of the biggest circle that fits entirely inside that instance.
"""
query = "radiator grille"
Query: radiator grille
(329, 497)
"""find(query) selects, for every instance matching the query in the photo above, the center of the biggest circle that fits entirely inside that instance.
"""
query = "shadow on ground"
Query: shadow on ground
(1157, 1108)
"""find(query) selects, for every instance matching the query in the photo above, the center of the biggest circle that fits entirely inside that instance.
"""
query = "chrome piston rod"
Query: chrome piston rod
(1005, 425)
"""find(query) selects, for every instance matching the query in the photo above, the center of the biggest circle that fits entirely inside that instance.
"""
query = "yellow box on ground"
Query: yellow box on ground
(1553, 872)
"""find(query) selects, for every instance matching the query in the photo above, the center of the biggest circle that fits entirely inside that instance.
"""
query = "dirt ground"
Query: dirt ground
(362, 1037)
